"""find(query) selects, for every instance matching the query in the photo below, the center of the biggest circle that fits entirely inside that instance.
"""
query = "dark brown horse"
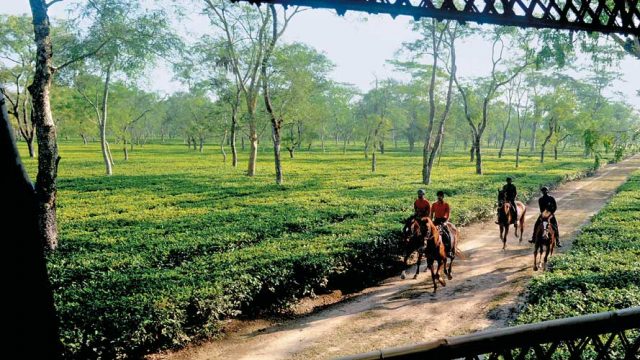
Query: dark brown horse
(423, 236)
(506, 217)
(412, 241)
(545, 240)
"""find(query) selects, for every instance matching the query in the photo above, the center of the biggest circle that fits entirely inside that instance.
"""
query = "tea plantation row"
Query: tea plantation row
(601, 272)
(161, 253)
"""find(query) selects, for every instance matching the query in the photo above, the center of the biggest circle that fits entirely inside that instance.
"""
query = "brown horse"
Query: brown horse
(453, 233)
(423, 236)
(505, 217)
(413, 240)
(545, 239)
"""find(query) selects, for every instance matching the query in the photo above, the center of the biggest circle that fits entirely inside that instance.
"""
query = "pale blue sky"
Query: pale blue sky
(360, 44)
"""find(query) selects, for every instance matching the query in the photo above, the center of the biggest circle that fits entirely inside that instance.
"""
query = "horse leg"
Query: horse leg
(403, 275)
(522, 223)
(535, 258)
(433, 275)
(504, 239)
(418, 264)
(442, 263)
(450, 266)
(546, 255)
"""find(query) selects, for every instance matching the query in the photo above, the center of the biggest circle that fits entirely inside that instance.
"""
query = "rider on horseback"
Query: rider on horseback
(440, 214)
(510, 193)
(548, 203)
(421, 206)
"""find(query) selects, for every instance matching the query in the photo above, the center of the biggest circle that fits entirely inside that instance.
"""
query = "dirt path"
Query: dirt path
(483, 292)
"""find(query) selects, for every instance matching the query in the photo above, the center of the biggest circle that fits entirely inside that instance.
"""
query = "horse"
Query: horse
(453, 233)
(423, 236)
(505, 217)
(413, 241)
(545, 239)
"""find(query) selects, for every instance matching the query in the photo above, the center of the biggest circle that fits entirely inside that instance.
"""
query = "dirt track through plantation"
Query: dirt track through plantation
(483, 293)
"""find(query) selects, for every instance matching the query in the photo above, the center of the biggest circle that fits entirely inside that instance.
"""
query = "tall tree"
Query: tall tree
(496, 80)
(452, 32)
(245, 32)
(269, 47)
(132, 36)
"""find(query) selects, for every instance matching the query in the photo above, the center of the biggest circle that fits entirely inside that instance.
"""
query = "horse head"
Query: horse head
(545, 216)
(504, 207)
(411, 231)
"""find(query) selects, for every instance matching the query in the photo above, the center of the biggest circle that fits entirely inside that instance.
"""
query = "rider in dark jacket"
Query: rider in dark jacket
(511, 193)
(548, 203)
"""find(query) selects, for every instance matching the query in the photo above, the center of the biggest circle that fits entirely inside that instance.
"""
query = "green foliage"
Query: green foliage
(164, 252)
(601, 272)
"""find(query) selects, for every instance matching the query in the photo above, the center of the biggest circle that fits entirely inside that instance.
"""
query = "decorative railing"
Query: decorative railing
(608, 335)
(606, 16)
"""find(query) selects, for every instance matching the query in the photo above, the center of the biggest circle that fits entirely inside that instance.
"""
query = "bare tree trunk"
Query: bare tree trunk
(29, 294)
(201, 147)
(366, 147)
(478, 155)
(546, 140)
(472, 152)
(29, 141)
(253, 154)
(224, 154)
(504, 131)
(103, 124)
(291, 150)
(534, 128)
(48, 158)
(373, 161)
(518, 148)
(276, 136)
(124, 147)
(299, 128)
(234, 149)
(110, 155)
(84, 139)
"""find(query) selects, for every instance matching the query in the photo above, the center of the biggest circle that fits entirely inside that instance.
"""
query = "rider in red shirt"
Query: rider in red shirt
(421, 206)
(440, 212)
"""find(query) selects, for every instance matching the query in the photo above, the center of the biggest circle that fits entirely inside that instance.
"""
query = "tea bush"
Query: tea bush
(601, 272)
(174, 243)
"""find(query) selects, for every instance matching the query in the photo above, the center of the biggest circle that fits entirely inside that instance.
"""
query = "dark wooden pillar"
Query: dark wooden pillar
(29, 314)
